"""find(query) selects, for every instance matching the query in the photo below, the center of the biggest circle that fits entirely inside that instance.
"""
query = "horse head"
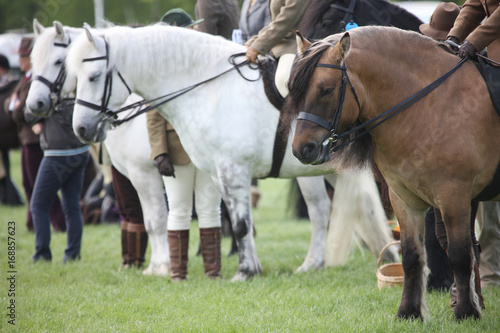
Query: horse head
(50, 82)
(90, 61)
(321, 88)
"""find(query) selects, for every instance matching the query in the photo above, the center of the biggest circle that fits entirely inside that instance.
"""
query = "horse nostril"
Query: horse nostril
(309, 150)
(40, 104)
(81, 131)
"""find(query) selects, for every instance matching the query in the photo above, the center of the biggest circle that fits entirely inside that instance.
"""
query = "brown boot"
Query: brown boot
(125, 257)
(178, 243)
(210, 250)
(137, 242)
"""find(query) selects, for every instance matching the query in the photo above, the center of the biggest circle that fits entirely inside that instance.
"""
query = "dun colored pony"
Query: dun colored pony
(441, 150)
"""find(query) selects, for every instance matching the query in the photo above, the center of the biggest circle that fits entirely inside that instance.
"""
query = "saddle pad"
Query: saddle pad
(491, 75)
(493, 188)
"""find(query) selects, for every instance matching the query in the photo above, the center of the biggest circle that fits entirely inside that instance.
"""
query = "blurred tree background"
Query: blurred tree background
(19, 14)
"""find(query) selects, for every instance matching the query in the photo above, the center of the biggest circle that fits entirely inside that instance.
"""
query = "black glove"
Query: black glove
(453, 43)
(165, 166)
(467, 50)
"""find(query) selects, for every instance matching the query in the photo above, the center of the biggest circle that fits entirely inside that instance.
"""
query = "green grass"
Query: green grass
(93, 295)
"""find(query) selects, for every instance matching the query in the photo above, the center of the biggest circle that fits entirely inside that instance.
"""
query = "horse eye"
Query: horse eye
(327, 91)
(94, 77)
(59, 62)
(327, 24)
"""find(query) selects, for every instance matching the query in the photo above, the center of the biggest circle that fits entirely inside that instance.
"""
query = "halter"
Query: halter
(108, 86)
(56, 86)
(332, 127)
(144, 106)
(349, 14)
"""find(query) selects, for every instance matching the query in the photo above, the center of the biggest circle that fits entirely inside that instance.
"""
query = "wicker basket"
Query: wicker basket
(389, 274)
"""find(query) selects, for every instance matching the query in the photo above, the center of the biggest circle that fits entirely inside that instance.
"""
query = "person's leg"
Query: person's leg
(44, 192)
(71, 175)
(207, 202)
(180, 201)
(489, 238)
(283, 73)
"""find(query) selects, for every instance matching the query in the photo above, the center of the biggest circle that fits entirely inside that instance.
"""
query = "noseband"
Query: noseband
(103, 110)
(334, 124)
(56, 86)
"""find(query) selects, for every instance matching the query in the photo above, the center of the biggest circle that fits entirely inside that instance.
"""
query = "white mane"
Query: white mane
(152, 47)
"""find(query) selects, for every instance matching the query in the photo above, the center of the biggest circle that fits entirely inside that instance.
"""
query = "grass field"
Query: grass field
(93, 295)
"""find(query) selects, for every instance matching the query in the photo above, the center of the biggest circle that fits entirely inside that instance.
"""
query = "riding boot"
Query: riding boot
(178, 243)
(210, 239)
(125, 256)
(137, 242)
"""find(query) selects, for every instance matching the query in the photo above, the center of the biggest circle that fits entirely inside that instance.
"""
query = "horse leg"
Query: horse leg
(412, 224)
(462, 258)
(149, 187)
(318, 207)
(234, 185)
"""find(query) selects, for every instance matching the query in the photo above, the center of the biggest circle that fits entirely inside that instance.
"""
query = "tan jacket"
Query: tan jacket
(279, 36)
(164, 140)
(468, 26)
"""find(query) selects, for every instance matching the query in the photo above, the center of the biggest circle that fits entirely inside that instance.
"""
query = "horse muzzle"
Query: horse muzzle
(312, 152)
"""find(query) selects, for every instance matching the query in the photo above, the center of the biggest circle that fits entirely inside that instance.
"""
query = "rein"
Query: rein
(381, 118)
(138, 107)
(55, 87)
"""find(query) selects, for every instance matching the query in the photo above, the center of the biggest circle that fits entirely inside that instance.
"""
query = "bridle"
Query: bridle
(144, 106)
(376, 121)
(103, 110)
(55, 87)
(334, 124)
(349, 14)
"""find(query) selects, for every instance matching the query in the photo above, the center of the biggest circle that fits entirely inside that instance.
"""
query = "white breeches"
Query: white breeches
(188, 180)
(283, 72)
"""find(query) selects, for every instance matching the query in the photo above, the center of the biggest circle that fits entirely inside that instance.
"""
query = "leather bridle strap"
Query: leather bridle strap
(55, 87)
(349, 14)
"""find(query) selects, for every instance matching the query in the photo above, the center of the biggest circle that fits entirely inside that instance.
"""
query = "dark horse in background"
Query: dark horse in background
(326, 17)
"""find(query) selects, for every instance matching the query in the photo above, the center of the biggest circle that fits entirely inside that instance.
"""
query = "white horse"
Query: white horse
(128, 153)
(227, 126)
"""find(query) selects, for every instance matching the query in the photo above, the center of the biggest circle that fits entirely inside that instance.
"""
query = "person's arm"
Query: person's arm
(470, 18)
(486, 32)
(284, 22)
(157, 135)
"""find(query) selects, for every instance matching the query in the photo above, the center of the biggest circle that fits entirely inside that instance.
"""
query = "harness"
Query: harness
(376, 121)
(55, 87)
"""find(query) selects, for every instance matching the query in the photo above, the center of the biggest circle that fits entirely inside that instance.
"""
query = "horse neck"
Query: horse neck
(174, 59)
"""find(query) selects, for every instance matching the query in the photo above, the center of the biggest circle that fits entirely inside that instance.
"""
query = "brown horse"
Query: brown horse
(439, 149)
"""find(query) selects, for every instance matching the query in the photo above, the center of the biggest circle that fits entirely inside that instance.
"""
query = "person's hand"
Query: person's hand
(453, 43)
(252, 54)
(37, 128)
(467, 50)
(164, 165)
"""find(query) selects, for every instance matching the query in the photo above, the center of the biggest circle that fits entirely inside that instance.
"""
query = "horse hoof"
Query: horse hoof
(309, 265)
(469, 312)
(240, 277)
(412, 316)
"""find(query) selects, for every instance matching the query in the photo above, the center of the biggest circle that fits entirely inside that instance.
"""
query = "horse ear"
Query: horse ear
(59, 30)
(302, 43)
(345, 45)
(89, 34)
(38, 28)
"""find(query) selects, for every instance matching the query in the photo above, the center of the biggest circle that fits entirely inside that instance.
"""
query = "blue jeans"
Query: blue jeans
(56, 173)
